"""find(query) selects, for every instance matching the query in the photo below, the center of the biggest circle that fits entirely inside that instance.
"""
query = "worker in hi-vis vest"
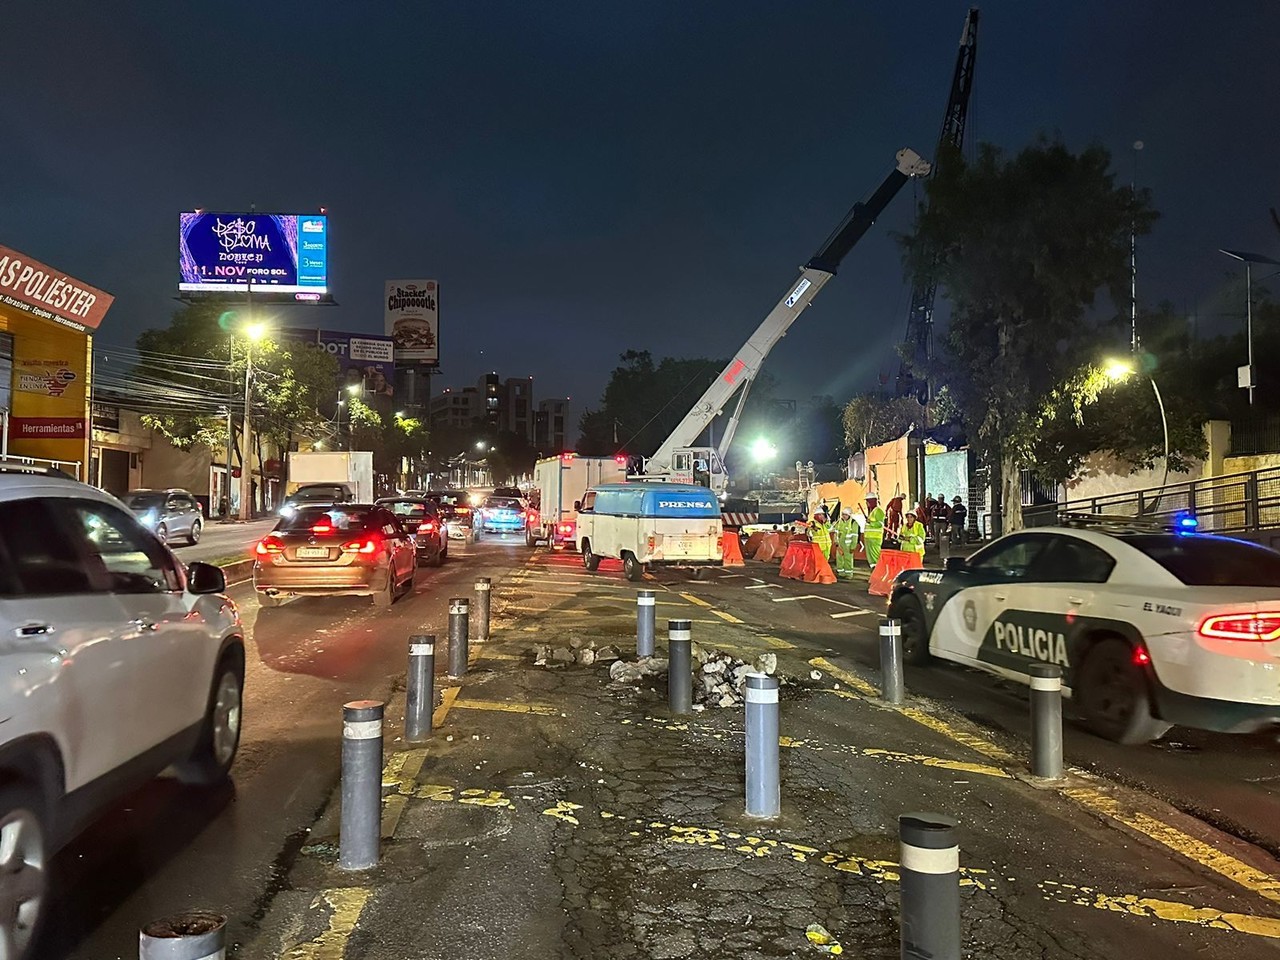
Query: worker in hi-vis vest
(845, 531)
(912, 535)
(873, 533)
(820, 532)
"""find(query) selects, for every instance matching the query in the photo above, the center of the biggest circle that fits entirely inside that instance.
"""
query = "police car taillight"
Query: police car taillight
(1258, 627)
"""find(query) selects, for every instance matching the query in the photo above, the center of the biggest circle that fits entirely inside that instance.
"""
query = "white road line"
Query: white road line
(807, 596)
(763, 586)
(850, 613)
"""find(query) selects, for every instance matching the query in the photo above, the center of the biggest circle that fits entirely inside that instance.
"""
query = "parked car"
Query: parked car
(118, 663)
(420, 517)
(169, 514)
(347, 550)
(503, 515)
(312, 494)
(455, 509)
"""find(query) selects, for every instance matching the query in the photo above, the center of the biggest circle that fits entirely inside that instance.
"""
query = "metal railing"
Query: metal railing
(1235, 503)
(71, 467)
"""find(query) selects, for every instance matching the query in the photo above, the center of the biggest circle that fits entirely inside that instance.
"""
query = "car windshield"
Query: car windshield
(452, 498)
(501, 503)
(1203, 561)
(414, 509)
(144, 501)
(342, 519)
(325, 492)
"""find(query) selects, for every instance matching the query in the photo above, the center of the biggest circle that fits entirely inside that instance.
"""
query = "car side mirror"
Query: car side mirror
(956, 564)
(204, 578)
(577, 504)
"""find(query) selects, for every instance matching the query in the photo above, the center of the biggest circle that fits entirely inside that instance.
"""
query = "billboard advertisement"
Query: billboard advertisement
(30, 286)
(362, 358)
(283, 256)
(413, 320)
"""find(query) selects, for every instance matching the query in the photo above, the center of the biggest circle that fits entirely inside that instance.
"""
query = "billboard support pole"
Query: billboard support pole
(246, 478)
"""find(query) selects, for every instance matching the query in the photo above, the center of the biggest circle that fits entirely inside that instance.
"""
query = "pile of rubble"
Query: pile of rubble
(720, 679)
(583, 652)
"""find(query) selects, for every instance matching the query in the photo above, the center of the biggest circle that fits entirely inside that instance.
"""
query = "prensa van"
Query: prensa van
(650, 524)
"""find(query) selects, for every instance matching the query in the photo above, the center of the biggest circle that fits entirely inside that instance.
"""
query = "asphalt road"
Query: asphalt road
(220, 541)
(168, 848)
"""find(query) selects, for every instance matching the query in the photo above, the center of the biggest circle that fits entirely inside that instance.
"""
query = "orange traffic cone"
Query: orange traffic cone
(731, 549)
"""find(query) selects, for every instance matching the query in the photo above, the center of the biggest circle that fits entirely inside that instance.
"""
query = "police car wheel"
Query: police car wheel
(1113, 698)
(915, 635)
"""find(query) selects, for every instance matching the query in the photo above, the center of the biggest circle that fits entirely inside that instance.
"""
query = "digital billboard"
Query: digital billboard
(363, 359)
(283, 256)
(413, 320)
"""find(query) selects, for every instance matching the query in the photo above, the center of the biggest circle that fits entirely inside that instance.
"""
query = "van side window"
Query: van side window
(589, 501)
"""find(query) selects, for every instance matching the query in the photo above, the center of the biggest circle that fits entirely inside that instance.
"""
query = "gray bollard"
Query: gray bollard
(197, 935)
(459, 614)
(930, 873)
(360, 823)
(421, 692)
(646, 614)
(680, 666)
(764, 798)
(1046, 720)
(484, 589)
(891, 683)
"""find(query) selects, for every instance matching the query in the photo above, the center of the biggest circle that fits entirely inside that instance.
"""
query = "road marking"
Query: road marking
(1220, 862)
(850, 613)
(726, 616)
(698, 600)
(1160, 909)
(345, 905)
(852, 679)
(488, 655)
(447, 697)
(778, 643)
(764, 586)
(807, 596)
(542, 709)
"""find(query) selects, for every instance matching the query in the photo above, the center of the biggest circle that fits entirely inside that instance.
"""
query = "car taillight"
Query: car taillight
(464, 509)
(427, 526)
(1258, 627)
(363, 545)
(566, 528)
(269, 544)
(322, 528)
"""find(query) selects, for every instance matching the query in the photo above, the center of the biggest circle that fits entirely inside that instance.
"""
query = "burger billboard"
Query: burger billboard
(413, 321)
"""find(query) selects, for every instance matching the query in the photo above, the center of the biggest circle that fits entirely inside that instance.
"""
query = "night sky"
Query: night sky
(584, 178)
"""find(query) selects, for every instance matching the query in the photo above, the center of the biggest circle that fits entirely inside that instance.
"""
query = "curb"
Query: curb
(237, 572)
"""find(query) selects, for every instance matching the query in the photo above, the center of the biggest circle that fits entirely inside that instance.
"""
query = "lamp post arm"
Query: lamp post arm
(1164, 423)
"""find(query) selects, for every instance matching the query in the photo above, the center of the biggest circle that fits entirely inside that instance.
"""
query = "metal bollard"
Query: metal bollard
(891, 683)
(421, 692)
(484, 588)
(763, 794)
(1046, 720)
(680, 666)
(930, 874)
(360, 824)
(198, 935)
(459, 614)
(646, 614)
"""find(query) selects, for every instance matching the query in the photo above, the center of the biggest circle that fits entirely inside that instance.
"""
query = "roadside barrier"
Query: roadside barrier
(892, 686)
(892, 563)
(646, 615)
(360, 822)
(763, 792)
(731, 549)
(930, 876)
(421, 690)
(484, 590)
(197, 935)
(459, 614)
(817, 568)
(680, 666)
(799, 553)
(1046, 720)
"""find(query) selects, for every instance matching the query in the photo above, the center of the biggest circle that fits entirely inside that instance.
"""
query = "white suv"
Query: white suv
(117, 663)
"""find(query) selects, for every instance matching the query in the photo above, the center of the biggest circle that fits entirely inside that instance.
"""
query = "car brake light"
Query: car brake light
(364, 545)
(427, 526)
(1258, 627)
(322, 528)
(566, 528)
(1140, 656)
(269, 544)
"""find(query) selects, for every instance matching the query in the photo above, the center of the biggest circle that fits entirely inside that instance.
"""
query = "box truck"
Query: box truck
(352, 469)
(559, 483)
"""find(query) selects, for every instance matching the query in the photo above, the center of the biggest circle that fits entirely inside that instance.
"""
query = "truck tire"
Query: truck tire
(589, 559)
(631, 567)
(530, 539)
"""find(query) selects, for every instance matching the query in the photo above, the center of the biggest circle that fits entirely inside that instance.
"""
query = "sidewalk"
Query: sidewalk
(555, 814)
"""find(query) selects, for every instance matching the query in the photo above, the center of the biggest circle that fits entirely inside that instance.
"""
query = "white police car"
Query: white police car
(1151, 627)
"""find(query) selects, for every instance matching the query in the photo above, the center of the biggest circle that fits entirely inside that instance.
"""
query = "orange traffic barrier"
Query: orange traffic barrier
(799, 553)
(892, 563)
(731, 549)
(817, 569)
(753, 544)
(772, 546)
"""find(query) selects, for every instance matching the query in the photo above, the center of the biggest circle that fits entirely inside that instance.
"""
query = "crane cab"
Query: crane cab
(697, 466)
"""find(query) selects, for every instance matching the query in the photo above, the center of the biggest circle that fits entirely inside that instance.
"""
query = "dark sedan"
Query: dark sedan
(421, 518)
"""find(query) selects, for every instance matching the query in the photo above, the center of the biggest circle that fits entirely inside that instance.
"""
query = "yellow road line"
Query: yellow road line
(778, 643)
(542, 709)
(698, 600)
(1224, 864)
(401, 767)
(1161, 909)
(852, 679)
(345, 906)
(488, 655)
(449, 695)
(898, 756)
(726, 616)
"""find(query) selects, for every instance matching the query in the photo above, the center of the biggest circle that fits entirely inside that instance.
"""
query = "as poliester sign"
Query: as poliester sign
(32, 287)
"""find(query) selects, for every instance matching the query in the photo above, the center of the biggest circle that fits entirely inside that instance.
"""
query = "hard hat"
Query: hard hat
(847, 512)
(871, 496)
(956, 500)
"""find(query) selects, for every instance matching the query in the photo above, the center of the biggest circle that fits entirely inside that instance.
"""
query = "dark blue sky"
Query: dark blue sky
(587, 177)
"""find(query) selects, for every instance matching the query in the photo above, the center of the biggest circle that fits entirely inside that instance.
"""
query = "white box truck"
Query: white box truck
(351, 468)
(559, 483)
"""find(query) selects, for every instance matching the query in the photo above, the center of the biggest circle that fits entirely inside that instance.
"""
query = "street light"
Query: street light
(481, 446)
(763, 450)
(1244, 376)
(1117, 371)
(253, 332)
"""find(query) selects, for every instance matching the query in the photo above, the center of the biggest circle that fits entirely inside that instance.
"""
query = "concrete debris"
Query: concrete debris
(562, 654)
(607, 654)
(586, 656)
(818, 936)
(815, 674)
(620, 671)
(767, 663)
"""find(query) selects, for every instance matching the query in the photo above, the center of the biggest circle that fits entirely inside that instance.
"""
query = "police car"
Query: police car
(1151, 627)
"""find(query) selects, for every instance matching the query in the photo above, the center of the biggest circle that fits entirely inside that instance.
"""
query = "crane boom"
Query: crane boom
(918, 342)
(676, 458)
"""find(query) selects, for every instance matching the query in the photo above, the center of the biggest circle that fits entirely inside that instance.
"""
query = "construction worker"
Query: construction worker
(845, 531)
(820, 532)
(873, 533)
(912, 535)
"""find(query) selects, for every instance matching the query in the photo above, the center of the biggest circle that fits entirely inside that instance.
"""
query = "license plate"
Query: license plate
(313, 553)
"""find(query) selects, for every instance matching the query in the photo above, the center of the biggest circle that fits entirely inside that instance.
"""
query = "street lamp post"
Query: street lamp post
(253, 332)
(1117, 371)
(1246, 374)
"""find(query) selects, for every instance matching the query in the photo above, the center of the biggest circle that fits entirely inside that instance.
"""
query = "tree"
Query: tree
(1023, 246)
(869, 419)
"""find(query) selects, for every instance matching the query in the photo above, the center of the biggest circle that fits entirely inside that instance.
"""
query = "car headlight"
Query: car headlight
(151, 517)
(288, 510)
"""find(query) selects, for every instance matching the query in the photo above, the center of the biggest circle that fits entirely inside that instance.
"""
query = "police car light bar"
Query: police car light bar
(1183, 523)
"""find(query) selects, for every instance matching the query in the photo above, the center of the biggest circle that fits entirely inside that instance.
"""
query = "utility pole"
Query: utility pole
(1133, 256)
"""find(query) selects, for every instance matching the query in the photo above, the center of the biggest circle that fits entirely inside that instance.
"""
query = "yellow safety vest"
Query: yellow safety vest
(912, 537)
(875, 524)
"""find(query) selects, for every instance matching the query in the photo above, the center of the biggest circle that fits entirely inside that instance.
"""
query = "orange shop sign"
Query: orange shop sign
(37, 289)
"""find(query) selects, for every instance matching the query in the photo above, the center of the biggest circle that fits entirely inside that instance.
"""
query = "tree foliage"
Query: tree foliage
(869, 419)
(1023, 247)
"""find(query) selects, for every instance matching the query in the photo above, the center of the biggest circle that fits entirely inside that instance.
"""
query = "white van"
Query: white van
(643, 524)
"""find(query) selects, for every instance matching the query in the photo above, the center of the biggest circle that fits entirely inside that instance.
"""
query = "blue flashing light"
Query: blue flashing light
(1186, 523)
